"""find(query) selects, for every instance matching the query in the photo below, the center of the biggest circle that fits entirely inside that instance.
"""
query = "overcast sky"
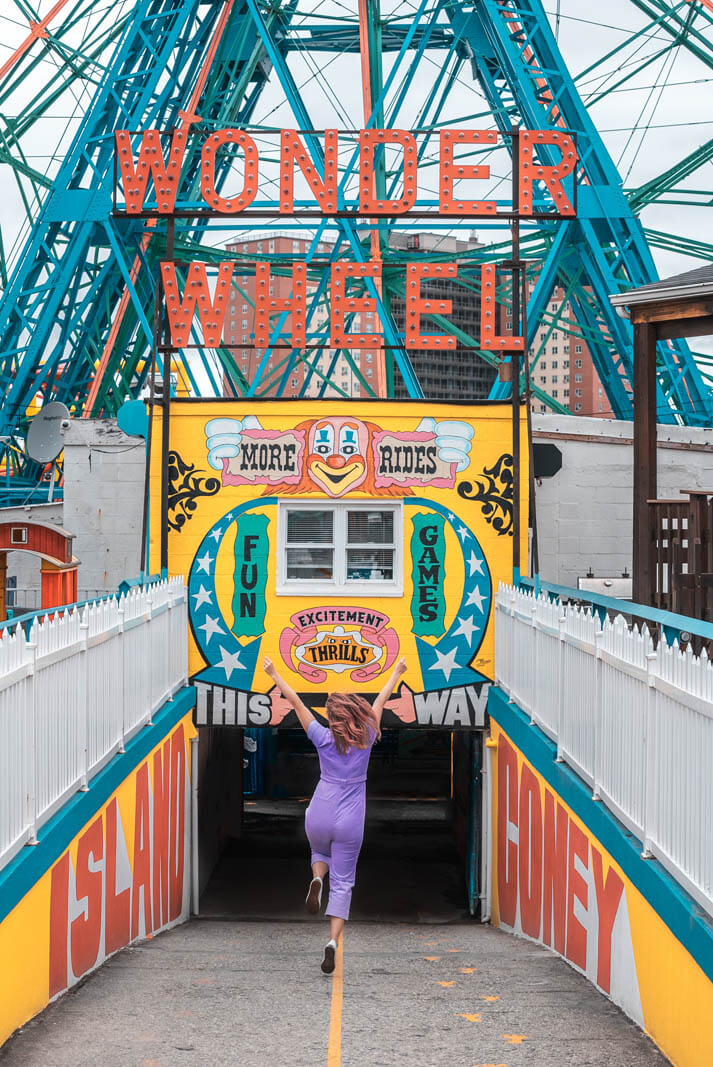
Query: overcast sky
(647, 125)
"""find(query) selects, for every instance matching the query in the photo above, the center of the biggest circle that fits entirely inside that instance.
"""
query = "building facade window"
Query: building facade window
(335, 549)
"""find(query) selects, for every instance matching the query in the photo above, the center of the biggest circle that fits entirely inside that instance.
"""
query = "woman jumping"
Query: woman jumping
(334, 820)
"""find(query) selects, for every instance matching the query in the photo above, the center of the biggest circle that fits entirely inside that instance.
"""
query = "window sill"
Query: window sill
(360, 590)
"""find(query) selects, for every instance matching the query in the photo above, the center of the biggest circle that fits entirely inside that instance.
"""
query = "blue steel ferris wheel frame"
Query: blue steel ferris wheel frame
(59, 307)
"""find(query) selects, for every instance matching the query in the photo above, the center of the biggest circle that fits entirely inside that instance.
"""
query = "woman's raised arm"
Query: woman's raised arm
(378, 705)
(303, 713)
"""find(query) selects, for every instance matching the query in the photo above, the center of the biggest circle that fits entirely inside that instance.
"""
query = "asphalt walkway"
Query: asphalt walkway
(212, 993)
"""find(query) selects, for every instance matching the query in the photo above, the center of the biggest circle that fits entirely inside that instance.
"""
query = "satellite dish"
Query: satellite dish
(44, 437)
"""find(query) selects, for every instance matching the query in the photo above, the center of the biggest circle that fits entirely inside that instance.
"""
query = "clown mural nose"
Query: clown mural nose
(336, 457)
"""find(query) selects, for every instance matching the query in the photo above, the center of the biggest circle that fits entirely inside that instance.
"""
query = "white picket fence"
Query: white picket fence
(634, 721)
(74, 689)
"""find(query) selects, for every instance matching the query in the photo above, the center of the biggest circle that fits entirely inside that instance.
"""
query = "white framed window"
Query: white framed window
(578, 348)
(340, 548)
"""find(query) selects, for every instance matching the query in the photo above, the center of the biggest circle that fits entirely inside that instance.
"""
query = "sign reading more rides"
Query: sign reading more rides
(334, 538)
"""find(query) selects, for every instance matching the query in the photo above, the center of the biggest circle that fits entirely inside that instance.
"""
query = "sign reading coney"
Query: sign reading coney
(334, 537)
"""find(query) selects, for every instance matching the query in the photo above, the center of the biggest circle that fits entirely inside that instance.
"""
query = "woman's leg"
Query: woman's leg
(319, 869)
(336, 926)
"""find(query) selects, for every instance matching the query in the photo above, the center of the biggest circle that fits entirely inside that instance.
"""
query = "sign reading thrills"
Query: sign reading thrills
(336, 544)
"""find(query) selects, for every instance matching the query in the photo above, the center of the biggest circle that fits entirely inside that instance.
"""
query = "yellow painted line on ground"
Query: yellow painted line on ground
(334, 1051)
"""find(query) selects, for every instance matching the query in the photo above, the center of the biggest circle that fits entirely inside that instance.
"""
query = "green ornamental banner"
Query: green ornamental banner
(251, 553)
(428, 553)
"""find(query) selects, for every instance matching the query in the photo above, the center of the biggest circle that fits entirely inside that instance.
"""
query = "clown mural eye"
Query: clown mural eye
(324, 441)
(348, 441)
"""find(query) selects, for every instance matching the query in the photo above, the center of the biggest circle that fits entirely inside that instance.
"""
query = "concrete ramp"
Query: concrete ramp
(227, 993)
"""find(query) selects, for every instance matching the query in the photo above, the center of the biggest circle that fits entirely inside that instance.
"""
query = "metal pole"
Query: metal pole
(145, 532)
(195, 883)
(166, 413)
(515, 359)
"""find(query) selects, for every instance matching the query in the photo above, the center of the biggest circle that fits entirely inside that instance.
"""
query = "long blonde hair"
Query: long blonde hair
(351, 721)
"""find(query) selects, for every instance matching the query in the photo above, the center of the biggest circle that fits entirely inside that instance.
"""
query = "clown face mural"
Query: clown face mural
(337, 454)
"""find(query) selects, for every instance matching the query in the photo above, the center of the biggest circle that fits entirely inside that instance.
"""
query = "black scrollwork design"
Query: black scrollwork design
(185, 485)
(495, 490)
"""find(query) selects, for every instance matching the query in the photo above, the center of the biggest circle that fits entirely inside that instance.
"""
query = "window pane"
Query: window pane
(370, 527)
(310, 564)
(370, 565)
(309, 526)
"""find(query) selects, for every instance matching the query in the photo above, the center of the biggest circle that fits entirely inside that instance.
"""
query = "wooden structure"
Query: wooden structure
(673, 554)
(54, 547)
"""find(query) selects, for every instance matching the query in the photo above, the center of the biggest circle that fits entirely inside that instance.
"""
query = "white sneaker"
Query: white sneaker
(313, 901)
(330, 952)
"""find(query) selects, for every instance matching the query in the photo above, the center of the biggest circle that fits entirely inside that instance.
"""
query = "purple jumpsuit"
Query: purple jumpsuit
(334, 820)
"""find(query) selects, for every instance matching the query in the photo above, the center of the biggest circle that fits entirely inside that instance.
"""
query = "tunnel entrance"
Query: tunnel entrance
(419, 860)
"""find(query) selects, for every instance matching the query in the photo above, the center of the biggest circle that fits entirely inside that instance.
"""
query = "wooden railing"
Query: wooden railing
(681, 546)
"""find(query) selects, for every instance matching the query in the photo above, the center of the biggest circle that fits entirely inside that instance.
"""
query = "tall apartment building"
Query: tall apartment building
(565, 368)
(240, 322)
(455, 373)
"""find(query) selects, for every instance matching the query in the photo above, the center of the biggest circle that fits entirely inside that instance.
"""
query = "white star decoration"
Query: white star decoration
(201, 597)
(451, 516)
(445, 662)
(211, 627)
(204, 562)
(466, 628)
(477, 598)
(476, 565)
(463, 532)
(229, 661)
(216, 535)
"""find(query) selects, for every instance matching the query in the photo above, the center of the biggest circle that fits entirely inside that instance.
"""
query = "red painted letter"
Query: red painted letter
(451, 171)
(554, 891)
(86, 929)
(234, 204)
(59, 907)
(295, 306)
(210, 313)
(161, 803)
(151, 159)
(142, 853)
(490, 340)
(415, 306)
(117, 906)
(368, 201)
(608, 897)
(178, 809)
(350, 305)
(325, 192)
(507, 813)
(530, 853)
(531, 170)
(577, 887)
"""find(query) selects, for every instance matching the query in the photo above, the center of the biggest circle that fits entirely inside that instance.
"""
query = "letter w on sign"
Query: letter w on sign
(210, 312)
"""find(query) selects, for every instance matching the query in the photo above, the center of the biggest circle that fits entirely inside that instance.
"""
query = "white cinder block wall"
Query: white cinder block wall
(103, 502)
(584, 513)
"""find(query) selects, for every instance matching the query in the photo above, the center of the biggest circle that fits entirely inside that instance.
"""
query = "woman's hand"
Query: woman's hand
(269, 668)
(400, 668)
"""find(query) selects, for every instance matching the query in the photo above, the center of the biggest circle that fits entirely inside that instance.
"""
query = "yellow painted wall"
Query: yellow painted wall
(31, 935)
(651, 974)
(207, 507)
